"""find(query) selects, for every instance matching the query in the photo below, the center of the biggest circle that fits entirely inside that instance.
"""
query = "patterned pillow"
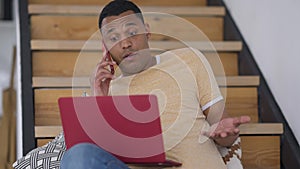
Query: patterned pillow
(232, 155)
(44, 157)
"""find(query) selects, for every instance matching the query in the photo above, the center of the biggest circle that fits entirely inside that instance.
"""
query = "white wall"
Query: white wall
(7, 41)
(271, 28)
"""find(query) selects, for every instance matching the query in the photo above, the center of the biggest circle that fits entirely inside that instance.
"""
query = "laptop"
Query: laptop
(128, 127)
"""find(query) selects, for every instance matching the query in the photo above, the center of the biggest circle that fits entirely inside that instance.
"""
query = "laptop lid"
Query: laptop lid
(127, 126)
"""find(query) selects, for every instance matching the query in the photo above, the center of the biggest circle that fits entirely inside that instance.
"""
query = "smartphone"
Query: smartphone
(108, 57)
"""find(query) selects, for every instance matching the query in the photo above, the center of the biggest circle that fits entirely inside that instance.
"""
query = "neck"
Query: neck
(151, 63)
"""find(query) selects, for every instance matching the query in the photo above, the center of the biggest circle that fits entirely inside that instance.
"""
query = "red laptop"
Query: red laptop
(127, 126)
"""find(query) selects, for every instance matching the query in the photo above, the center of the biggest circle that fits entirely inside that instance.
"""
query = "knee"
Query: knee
(82, 148)
(79, 156)
(86, 155)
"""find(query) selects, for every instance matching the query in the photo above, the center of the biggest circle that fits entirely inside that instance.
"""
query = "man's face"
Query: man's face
(126, 38)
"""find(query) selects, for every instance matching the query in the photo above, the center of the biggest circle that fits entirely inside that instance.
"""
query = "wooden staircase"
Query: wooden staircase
(61, 29)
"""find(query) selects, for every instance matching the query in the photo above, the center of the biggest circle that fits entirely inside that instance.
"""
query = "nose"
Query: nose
(126, 43)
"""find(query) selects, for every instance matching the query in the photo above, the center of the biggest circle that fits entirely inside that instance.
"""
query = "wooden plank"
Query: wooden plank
(262, 129)
(64, 64)
(163, 27)
(245, 130)
(35, 9)
(239, 101)
(232, 81)
(73, 63)
(95, 45)
(50, 82)
(47, 131)
(138, 2)
(261, 152)
(41, 142)
(257, 151)
(46, 104)
(223, 63)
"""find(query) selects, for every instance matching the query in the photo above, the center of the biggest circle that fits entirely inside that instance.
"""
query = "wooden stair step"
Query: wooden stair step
(260, 143)
(239, 101)
(82, 63)
(34, 9)
(138, 2)
(260, 151)
(95, 45)
(162, 27)
(245, 129)
(48, 82)
(261, 129)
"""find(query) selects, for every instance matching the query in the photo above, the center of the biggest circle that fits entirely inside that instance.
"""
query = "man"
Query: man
(188, 95)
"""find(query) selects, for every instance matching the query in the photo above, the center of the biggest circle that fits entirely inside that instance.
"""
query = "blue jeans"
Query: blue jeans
(90, 156)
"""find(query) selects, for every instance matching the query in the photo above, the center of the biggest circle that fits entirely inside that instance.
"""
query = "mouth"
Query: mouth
(128, 55)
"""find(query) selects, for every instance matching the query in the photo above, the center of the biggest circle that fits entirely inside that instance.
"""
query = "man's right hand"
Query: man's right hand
(101, 78)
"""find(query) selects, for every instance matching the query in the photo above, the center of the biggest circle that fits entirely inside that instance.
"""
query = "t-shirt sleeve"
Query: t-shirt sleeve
(208, 89)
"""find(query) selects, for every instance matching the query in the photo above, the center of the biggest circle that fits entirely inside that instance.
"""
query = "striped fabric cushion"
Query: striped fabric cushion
(232, 155)
(45, 157)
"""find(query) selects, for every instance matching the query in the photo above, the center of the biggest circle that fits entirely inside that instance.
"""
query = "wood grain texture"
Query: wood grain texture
(138, 2)
(46, 104)
(157, 46)
(250, 129)
(41, 142)
(72, 63)
(261, 152)
(258, 151)
(163, 27)
(55, 82)
(241, 101)
(37, 9)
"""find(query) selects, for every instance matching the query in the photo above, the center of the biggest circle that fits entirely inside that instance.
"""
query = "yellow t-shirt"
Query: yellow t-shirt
(185, 86)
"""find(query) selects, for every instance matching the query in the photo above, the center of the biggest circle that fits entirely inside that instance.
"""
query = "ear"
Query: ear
(147, 27)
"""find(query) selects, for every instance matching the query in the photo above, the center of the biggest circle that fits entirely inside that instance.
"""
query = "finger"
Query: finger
(241, 120)
(104, 76)
(205, 133)
(105, 64)
(236, 121)
(245, 119)
(223, 134)
(210, 134)
(101, 72)
(101, 77)
(236, 131)
(232, 132)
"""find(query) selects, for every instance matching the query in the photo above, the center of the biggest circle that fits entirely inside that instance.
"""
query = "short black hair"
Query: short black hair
(116, 7)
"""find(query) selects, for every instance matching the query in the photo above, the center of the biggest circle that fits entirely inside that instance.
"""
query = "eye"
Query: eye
(114, 38)
(132, 33)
